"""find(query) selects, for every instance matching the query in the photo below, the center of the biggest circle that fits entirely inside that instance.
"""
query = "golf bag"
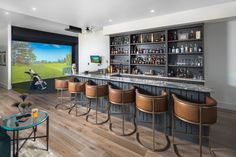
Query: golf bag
(36, 82)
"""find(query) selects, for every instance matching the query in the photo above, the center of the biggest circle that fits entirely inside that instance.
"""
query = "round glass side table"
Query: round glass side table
(19, 122)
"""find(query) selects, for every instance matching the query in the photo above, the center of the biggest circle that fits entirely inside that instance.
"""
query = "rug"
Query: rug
(35, 149)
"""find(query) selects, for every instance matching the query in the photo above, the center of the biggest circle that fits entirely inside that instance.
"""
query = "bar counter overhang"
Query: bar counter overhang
(188, 90)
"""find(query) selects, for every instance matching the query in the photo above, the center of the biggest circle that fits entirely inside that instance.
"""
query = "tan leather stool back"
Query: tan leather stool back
(94, 91)
(119, 96)
(76, 87)
(145, 102)
(61, 84)
(190, 112)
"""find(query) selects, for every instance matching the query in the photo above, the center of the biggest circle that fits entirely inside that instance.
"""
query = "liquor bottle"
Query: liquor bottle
(141, 38)
(190, 48)
(182, 49)
(187, 74)
(172, 73)
(119, 51)
(134, 39)
(152, 38)
(186, 48)
(195, 49)
(175, 35)
(177, 50)
(173, 49)
(162, 38)
(156, 38)
(199, 49)
(145, 38)
(191, 34)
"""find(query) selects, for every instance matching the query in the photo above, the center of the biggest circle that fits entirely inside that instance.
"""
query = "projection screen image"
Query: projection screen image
(47, 60)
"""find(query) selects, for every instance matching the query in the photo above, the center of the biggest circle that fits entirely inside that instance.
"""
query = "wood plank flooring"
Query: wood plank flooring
(72, 136)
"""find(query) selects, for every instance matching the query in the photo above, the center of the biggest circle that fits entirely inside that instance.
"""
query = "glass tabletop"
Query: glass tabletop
(12, 123)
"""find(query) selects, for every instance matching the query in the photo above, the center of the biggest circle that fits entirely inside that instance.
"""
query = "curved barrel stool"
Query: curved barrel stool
(94, 91)
(194, 113)
(76, 89)
(152, 105)
(123, 98)
(61, 86)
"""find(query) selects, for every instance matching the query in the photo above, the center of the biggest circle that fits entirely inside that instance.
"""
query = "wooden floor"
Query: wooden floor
(72, 136)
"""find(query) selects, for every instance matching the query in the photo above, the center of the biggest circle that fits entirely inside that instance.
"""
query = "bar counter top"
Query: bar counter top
(147, 80)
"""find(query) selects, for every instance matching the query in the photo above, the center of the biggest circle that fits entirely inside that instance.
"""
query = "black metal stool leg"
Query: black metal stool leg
(122, 113)
(14, 151)
(96, 114)
(17, 143)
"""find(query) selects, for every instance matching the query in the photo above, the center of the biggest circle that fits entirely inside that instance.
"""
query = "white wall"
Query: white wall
(5, 45)
(210, 13)
(93, 44)
(220, 62)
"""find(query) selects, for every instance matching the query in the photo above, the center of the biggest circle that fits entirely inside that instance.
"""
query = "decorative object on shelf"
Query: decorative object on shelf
(3, 58)
(183, 36)
(198, 34)
(73, 68)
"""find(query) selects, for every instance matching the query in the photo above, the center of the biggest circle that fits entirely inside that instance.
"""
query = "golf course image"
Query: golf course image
(47, 60)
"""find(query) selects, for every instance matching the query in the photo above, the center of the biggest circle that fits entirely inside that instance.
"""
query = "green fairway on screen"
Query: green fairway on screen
(47, 60)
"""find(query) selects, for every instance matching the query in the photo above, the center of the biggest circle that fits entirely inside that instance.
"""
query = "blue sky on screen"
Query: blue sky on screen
(50, 52)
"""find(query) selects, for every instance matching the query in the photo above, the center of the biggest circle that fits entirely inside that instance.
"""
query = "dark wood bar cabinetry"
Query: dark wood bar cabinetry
(169, 52)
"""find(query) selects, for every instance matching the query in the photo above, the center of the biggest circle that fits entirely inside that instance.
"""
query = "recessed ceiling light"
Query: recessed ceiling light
(34, 9)
(110, 20)
(6, 13)
(152, 11)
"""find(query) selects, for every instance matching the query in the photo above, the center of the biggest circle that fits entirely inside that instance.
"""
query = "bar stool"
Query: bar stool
(154, 105)
(122, 98)
(78, 90)
(94, 91)
(194, 113)
(61, 86)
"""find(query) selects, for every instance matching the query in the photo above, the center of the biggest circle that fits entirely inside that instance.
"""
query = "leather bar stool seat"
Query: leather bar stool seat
(153, 105)
(194, 113)
(78, 90)
(123, 98)
(61, 85)
(95, 91)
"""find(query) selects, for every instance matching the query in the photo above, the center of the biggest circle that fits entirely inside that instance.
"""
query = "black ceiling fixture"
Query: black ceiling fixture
(74, 29)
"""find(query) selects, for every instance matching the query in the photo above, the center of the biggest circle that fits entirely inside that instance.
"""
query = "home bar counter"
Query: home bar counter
(153, 85)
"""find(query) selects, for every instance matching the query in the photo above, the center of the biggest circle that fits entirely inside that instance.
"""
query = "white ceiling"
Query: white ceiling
(31, 22)
(53, 13)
